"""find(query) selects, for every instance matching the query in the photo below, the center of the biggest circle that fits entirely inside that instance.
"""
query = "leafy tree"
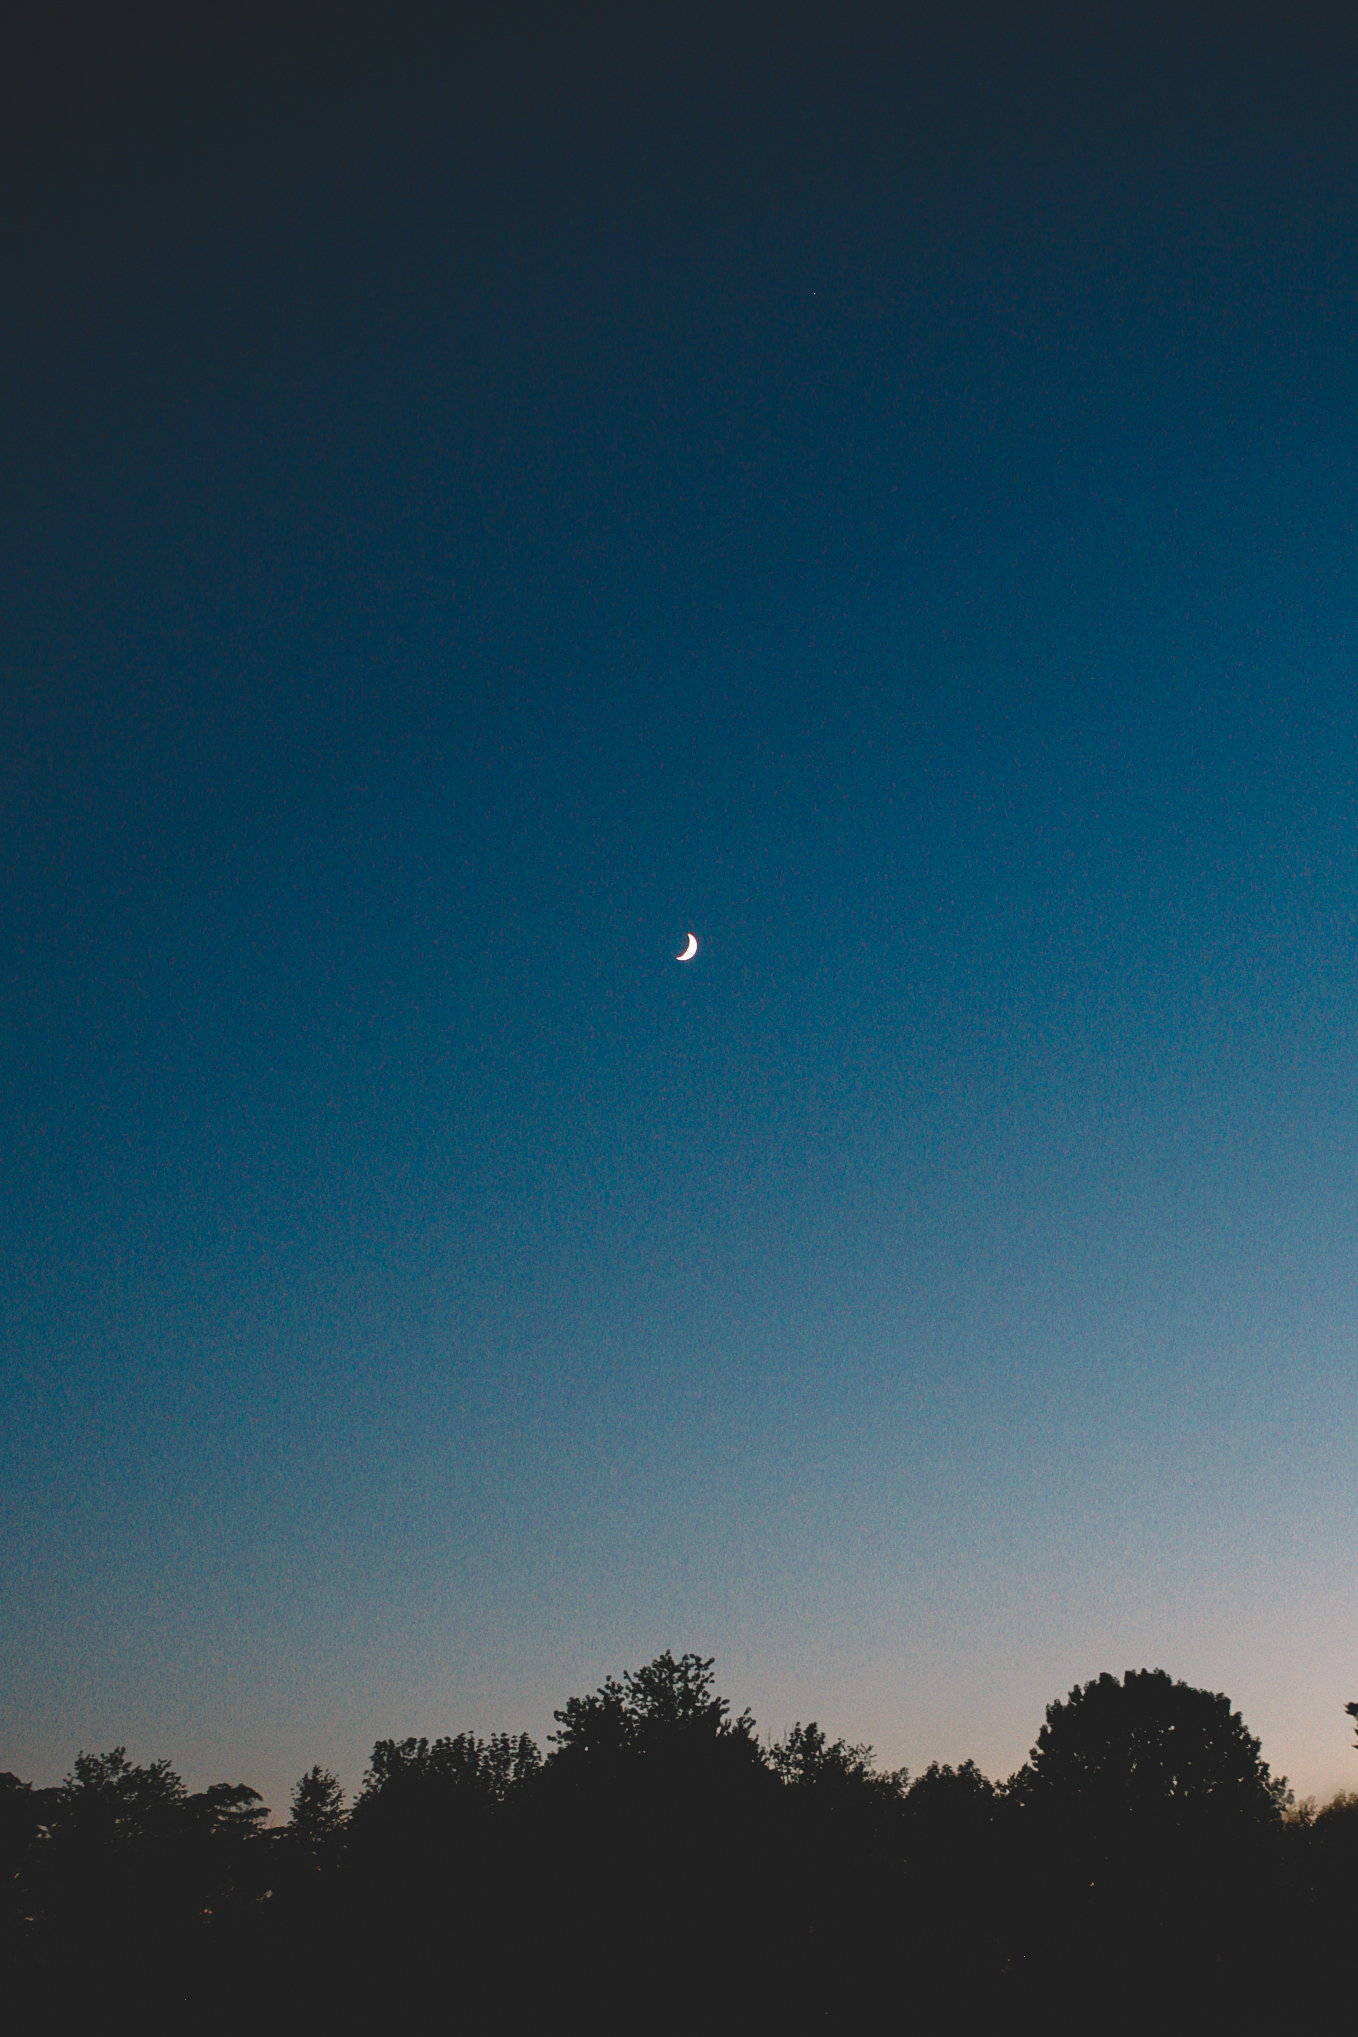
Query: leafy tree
(1150, 1755)
(24, 1812)
(115, 1842)
(1149, 1839)
(660, 1708)
(229, 1815)
(316, 1820)
(424, 1802)
(1334, 1831)
(955, 1891)
(225, 1844)
(805, 1758)
(1352, 1711)
(137, 1887)
(655, 1805)
(836, 1868)
(509, 1763)
(836, 1792)
(956, 1801)
(127, 1834)
(109, 1801)
(433, 1856)
(487, 1769)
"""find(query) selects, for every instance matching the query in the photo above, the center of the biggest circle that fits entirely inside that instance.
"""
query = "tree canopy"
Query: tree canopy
(1149, 1754)
(671, 1703)
(663, 1863)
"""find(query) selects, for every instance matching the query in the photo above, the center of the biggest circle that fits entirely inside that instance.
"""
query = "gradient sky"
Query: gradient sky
(480, 505)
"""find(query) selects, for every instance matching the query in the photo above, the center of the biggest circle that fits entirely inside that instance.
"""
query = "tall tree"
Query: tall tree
(670, 1704)
(1150, 1756)
(1149, 1837)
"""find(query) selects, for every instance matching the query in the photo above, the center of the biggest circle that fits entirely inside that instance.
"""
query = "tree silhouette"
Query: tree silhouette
(655, 1802)
(663, 1865)
(24, 1812)
(806, 1758)
(314, 1834)
(109, 1800)
(950, 1807)
(1149, 1843)
(317, 1814)
(957, 1872)
(431, 1863)
(1150, 1756)
(224, 1848)
(137, 1890)
(412, 1783)
(667, 1705)
(836, 1872)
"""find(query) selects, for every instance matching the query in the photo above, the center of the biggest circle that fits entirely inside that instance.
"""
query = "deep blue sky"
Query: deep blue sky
(479, 504)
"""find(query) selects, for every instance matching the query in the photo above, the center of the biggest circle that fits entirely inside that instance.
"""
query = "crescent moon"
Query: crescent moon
(690, 951)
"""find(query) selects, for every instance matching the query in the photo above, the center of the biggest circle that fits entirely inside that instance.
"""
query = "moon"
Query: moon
(690, 951)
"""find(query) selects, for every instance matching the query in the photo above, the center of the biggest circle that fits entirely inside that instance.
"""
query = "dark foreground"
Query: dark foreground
(665, 1871)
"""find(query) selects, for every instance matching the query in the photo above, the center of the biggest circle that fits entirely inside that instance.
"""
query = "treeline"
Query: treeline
(663, 1868)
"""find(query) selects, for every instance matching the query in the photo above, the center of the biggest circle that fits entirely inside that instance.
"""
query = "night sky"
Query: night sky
(486, 496)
